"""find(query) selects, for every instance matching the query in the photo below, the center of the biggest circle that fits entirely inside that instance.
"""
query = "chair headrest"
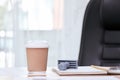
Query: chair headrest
(110, 14)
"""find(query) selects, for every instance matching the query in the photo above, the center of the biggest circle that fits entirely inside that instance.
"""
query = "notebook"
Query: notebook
(83, 70)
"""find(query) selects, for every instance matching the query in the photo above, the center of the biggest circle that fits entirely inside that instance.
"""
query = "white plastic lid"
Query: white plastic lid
(37, 44)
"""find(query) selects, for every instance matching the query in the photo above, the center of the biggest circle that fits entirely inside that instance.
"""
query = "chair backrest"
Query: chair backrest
(100, 42)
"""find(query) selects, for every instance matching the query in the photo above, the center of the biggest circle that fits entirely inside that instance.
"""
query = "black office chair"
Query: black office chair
(100, 42)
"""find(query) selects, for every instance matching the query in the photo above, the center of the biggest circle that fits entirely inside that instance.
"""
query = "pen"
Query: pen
(100, 68)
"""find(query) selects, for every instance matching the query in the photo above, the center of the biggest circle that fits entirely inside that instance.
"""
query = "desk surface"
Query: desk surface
(22, 74)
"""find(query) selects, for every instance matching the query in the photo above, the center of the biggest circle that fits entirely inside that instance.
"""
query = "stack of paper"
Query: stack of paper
(83, 70)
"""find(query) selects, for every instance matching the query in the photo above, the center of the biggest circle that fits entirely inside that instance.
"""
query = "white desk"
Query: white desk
(22, 74)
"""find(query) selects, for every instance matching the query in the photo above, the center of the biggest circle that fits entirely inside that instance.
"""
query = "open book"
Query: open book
(82, 70)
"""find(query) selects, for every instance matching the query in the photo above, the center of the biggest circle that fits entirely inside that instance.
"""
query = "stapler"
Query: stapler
(67, 64)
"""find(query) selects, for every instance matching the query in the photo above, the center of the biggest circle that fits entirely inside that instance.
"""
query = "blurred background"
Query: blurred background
(57, 21)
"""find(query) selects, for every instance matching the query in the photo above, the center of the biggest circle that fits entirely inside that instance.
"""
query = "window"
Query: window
(38, 14)
(17, 17)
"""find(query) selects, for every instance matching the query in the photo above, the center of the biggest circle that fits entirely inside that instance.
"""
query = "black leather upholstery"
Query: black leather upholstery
(100, 42)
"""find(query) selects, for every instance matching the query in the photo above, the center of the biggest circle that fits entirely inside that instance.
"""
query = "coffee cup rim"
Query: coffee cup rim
(37, 44)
